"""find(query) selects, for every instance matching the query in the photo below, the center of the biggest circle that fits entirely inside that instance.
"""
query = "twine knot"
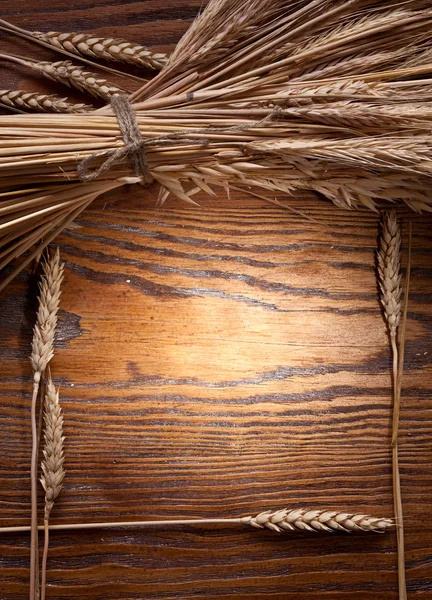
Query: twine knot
(133, 148)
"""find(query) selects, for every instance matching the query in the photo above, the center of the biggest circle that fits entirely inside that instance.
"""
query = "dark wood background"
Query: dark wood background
(215, 361)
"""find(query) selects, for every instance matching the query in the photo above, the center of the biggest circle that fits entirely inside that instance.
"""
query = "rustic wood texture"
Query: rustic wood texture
(215, 361)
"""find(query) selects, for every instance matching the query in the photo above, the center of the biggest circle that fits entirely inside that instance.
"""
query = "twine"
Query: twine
(133, 147)
(134, 144)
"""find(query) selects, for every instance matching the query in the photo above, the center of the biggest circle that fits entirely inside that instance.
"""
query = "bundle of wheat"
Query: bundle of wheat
(317, 95)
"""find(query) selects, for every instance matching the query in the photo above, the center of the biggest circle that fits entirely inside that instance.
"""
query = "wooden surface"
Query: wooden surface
(215, 361)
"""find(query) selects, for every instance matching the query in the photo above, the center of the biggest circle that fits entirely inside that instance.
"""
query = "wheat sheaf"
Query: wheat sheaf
(327, 96)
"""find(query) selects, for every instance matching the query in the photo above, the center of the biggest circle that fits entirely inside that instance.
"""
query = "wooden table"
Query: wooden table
(214, 362)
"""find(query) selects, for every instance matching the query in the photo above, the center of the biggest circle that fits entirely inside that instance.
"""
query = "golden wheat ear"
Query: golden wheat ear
(328, 521)
(110, 49)
(69, 74)
(53, 472)
(37, 102)
(42, 353)
(52, 463)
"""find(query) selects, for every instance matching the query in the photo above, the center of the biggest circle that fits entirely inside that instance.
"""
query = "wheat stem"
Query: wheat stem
(33, 471)
(398, 383)
(44, 561)
(397, 496)
(398, 510)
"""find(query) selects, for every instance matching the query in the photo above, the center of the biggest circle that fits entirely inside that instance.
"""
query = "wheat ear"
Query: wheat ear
(280, 521)
(42, 353)
(389, 277)
(106, 48)
(66, 73)
(301, 519)
(52, 465)
(40, 102)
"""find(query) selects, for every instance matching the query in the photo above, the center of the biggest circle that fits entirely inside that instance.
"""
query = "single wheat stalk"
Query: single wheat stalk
(279, 521)
(389, 277)
(52, 465)
(42, 353)
(66, 73)
(37, 102)
(110, 49)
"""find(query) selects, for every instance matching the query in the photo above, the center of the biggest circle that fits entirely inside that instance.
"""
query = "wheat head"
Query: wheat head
(316, 520)
(389, 270)
(52, 463)
(40, 102)
(46, 320)
(66, 73)
(106, 48)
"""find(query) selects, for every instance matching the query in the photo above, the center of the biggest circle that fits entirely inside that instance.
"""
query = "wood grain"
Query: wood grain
(216, 361)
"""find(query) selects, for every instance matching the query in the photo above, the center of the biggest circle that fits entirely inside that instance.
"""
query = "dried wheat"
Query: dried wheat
(226, 86)
(389, 278)
(389, 271)
(72, 75)
(52, 465)
(66, 73)
(42, 352)
(107, 48)
(46, 321)
(34, 101)
(316, 521)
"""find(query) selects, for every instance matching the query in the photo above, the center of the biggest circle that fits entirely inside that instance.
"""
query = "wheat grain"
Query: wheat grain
(316, 521)
(106, 48)
(34, 101)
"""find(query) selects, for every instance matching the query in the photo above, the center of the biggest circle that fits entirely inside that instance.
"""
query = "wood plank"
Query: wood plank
(216, 361)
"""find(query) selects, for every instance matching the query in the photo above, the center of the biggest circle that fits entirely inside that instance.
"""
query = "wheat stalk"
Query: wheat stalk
(279, 521)
(389, 278)
(52, 464)
(66, 73)
(35, 101)
(106, 48)
(42, 353)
